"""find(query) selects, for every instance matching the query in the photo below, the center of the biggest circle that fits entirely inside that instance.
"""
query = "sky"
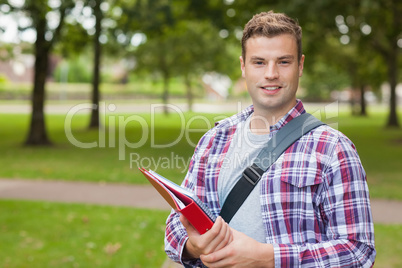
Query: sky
(10, 35)
(9, 22)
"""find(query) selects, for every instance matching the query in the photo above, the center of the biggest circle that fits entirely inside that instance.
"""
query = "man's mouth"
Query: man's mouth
(271, 88)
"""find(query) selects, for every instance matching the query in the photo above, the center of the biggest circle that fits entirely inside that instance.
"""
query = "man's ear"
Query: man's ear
(242, 67)
(301, 65)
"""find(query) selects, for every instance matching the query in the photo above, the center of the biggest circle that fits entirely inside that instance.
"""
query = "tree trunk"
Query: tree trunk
(165, 94)
(37, 133)
(352, 101)
(187, 81)
(94, 121)
(363, 104)
(392, 60)
(392, 79)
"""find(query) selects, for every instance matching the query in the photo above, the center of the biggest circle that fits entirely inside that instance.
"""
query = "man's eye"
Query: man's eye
(259, 62)
(284, 62)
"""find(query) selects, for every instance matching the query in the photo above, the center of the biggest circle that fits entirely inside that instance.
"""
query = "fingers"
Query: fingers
(216, 235)
(191, 231)
(227, 237)
(243, 251)
(215, 258)
(216, 238)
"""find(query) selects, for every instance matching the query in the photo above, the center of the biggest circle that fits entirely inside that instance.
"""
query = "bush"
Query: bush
(78, 71)
(3, 79)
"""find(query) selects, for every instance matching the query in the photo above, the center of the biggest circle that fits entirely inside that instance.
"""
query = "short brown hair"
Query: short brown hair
(270, 24)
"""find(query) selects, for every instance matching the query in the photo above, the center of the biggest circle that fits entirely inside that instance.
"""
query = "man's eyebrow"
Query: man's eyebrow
(256, 58)
(286, 57)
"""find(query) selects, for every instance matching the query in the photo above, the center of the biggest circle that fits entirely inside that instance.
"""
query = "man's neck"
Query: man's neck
(260, 125)
(262, 120)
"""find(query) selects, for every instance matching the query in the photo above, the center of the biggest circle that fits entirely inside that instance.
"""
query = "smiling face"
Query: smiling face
(272, 70)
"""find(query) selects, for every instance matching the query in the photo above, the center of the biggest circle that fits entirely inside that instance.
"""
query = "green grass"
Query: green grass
(43, 234)
(388, 245)
(380, 150)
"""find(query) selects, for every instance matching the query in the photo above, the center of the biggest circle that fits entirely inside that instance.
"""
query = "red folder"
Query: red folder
(183, 201)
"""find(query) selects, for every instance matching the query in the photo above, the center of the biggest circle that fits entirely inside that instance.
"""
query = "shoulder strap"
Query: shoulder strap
(278, 144)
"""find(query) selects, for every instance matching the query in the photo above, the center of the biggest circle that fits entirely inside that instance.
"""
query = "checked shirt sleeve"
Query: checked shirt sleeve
(201, 179)
(345, 208)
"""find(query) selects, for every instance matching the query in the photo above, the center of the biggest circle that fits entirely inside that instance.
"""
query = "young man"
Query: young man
(311, 208)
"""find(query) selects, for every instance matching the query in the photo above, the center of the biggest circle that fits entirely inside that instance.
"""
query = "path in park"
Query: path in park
(140, 196)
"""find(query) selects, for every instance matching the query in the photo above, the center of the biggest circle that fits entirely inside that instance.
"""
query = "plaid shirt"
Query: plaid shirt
(314, 199)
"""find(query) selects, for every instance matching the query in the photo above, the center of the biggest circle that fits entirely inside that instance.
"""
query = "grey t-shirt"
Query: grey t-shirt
(242, 151)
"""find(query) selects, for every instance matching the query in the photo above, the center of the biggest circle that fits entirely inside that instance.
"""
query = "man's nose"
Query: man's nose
(271, 71)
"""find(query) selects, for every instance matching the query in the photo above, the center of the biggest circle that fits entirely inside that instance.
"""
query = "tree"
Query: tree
(96, 7)
(178, 45)
(341, 65)
(156, 57)
(197, 49)
(384, 19)
(151, 18)
(40, 12)
(374, 26)
(86, 38)
(141, 19)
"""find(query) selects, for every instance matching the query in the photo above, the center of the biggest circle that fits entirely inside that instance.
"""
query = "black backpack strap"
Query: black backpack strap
(278, 144)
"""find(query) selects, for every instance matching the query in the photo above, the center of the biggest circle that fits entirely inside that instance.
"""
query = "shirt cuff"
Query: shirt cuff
(286, 255)
(188, 263)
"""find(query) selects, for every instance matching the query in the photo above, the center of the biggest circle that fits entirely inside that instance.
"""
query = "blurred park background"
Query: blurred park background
(86, 85)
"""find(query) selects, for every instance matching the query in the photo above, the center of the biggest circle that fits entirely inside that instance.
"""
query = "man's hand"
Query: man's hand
(213, 240)
(243, 251)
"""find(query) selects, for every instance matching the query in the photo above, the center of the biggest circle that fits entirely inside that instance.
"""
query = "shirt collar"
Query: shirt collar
(297, 110)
